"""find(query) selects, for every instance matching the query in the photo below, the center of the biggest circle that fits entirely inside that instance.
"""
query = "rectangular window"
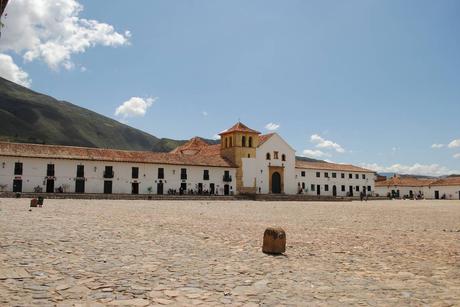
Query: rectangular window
(108, 172)
(80, 171)
(364, 176)
(18, 168)
(326, 175)
(227, 177)
(303, 185)
(50, 170)
(350, 176)
(342, 175)
(183, 174)
(275, 155)
(343, 188)
(369, 188)
(161, 173)
(357, 176)
(302, 174)
(134, 172)
(326, 187)
(312, 187)
(334, 175)
(206, 174)
(318, 174)
(357, 188)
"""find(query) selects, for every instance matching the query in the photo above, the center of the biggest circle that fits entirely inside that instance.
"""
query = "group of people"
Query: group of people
(417, 196)
(192, 192)
(363, 196)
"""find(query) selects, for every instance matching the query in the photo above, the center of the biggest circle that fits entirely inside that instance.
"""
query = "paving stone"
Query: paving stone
(132, 302)
(163, 301)
(14, 273)
(171, 293)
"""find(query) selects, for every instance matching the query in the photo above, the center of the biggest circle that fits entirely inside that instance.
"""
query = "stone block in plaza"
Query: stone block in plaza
(33, 202)
(274, 241)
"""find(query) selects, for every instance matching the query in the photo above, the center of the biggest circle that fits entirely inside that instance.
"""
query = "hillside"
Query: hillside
(28, 116)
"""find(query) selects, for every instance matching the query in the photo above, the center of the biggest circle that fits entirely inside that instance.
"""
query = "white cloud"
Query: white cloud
(437, 146)
(272, 126)
(52, 31)
(327, 144)
(9, 70)
(415, 169)
(457, 156)
(454, 144)
(216, 137)
(134, 107)
(204, 113)
(315, 153)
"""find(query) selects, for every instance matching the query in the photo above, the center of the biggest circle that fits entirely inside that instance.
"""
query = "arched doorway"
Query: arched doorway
(276, 183)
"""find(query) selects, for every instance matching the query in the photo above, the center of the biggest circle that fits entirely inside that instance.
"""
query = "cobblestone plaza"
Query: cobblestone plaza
(140, 253)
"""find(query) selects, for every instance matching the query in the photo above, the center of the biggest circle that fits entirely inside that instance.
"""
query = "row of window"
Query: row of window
(334, 175)
(245, 142)
(357, 188)
(268, 156)
(109, 173)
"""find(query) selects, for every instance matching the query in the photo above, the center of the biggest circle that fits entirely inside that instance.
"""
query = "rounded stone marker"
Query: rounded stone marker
(33, 202)
(274, 241)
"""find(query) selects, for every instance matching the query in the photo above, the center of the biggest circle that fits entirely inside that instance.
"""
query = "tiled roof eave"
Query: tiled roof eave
(336, 170)
(102, 159)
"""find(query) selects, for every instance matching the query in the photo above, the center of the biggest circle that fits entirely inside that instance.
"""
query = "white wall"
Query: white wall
(260, 169)
(249, 172)
(311, 179)
(403, 191)
(451, 192)
(34, 174)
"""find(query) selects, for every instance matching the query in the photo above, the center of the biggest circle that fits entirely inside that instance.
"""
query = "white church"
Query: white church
(245, 162)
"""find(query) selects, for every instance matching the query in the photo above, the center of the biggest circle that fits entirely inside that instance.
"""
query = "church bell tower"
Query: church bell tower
(237, 143)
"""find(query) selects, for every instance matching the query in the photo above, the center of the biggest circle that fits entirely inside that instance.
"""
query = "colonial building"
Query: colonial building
(245, 162)
(410, 187)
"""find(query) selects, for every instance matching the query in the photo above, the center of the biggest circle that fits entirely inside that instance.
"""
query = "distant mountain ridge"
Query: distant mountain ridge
(30, 117)
(389, 175)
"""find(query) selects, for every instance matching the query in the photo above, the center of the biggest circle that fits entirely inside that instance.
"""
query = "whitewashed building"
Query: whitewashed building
(318, 178)
(410, 187)
(245, 162)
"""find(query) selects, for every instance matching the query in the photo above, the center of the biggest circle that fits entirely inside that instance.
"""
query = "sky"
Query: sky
(372, 83)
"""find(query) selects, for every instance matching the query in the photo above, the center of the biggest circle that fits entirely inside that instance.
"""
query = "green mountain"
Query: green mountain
(30, 117)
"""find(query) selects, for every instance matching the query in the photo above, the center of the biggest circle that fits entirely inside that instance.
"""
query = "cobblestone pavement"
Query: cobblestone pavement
(140, 253)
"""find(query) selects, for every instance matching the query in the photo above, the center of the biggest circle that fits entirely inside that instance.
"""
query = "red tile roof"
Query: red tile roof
(448, 181)
(330, 166)
(239, 127)
(404, 182)
(264, 137)
(209, 156)
(193, 145)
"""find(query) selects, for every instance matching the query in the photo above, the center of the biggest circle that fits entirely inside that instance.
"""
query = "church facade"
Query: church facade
(244, 162)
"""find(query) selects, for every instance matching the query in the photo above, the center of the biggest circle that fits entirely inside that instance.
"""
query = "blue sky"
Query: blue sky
(372, 83)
